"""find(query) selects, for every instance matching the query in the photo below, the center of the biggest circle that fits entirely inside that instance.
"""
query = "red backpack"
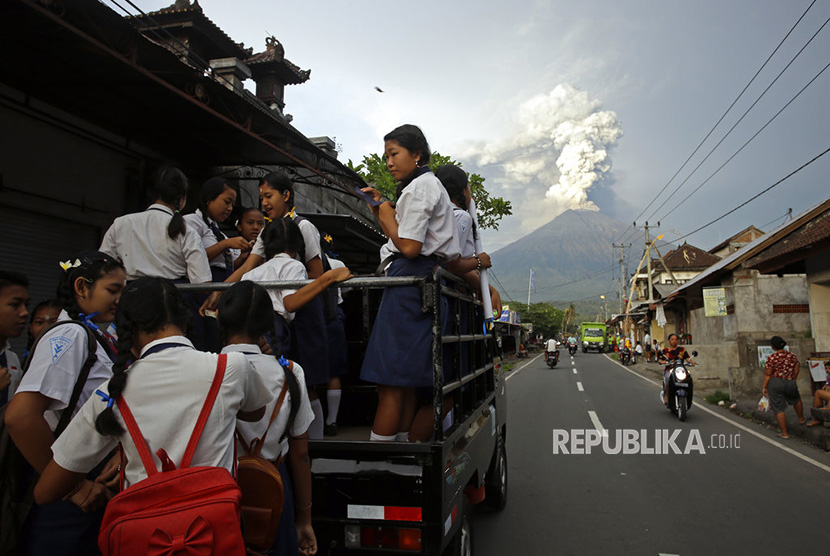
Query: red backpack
(189, 510)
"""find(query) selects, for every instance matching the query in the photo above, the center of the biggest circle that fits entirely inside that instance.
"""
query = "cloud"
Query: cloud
(558, 153)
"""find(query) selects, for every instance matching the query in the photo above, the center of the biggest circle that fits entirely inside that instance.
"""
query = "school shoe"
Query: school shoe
(330, 430)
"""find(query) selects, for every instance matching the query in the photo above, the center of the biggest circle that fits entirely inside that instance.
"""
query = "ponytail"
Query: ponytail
(106, 423)
(147, 305)
(170, 186)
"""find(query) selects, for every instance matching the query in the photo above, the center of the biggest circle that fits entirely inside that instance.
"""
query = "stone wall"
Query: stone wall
(818, 273)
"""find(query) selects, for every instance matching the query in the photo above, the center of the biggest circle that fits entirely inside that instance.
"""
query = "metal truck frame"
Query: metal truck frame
(416, 497)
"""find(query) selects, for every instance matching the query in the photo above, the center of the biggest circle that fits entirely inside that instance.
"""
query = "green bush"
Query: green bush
(717, 397)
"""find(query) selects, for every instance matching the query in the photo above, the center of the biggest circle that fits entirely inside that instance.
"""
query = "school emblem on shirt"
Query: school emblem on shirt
(59, 345)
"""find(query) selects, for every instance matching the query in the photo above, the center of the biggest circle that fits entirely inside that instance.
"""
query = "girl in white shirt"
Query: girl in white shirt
(283, 242)
(216, 200)
(157, 242)
(245, 316)
(422, 233)
(89, 289)
(165, 389)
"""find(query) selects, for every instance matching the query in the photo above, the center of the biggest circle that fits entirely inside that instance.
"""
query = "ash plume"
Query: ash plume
(558, 152)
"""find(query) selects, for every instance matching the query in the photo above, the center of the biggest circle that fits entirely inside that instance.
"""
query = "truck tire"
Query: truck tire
(495, 482)
(462, 543)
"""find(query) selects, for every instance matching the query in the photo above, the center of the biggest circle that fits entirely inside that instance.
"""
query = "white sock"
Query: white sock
(402, 436)
(333, 399)
(380, 438)
(315, 429)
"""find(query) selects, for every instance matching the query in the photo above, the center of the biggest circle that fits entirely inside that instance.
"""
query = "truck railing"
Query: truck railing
(465, 328)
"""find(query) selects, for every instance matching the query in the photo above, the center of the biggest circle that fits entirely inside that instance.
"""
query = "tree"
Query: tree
(490, 209)
(546, 319)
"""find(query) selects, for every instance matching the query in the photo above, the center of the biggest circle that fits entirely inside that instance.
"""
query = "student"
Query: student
(245, 316)
(44, 314)
(14, 308)
(165, 389)
(309, 342)
(216, 200)
(157, 242)
(455, 181)
(250, 224)
(283, 242)
(338, 345)
(422, 233)
(89, 289)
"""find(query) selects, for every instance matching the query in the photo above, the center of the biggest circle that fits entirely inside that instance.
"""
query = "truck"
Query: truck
(415, 497)
(594, 336)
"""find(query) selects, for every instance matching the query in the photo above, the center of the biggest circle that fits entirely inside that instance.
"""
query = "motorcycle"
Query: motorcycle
(572, 349)
(553, 358)
(625, 356)
(681, 388)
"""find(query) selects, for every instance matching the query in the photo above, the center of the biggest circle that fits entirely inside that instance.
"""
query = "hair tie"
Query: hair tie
(69, 264)
(87, 320)
(291, 213)
(327, 238)
(283, 361)
(106, 398)
(267, 219)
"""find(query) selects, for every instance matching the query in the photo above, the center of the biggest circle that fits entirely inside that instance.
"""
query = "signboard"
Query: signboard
(714, 302)
(764, 352)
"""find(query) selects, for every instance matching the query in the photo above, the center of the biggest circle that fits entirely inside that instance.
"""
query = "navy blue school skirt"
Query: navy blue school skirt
(338, 345)
(309, 342)
(286, 542)
(399, 352)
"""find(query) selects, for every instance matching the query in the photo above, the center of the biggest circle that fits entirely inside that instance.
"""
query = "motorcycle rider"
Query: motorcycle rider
(550, 348)
(666, 356)
(571, 344)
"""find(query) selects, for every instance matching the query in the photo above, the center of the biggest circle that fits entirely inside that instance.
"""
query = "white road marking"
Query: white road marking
(665, 554)
(515, 371)
(754, 433)
(597, 425)
(574, 371)
(572, 361)
(579, 387)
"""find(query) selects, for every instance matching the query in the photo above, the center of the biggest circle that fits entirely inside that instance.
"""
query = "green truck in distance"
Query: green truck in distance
(593, 335)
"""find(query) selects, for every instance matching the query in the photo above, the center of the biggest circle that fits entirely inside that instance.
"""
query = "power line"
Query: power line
(761, 193)
(738, 122)
(748, 141)
(630, 228)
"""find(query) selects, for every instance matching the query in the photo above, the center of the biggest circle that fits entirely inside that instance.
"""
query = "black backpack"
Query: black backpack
(17, 478)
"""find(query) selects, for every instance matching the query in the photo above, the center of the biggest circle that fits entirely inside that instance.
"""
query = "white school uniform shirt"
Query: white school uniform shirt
(424, 213)
(281, 268)
(140, 240)
(639, 349)
(56, 364)
(273, 376)
(552, 345)
(208, 238)
(465, 232)
(165, 392)
(15, 370)
(311, 238)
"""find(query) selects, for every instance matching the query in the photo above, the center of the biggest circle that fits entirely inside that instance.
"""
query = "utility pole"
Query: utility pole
(648, 260)
(621, 260)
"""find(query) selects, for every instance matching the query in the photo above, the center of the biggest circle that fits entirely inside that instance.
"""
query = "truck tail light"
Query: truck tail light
(369, 536)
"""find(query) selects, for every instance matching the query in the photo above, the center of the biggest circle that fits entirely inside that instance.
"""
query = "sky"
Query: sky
(591, 104)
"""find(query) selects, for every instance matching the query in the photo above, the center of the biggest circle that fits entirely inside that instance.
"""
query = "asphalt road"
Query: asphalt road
(734, 488)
